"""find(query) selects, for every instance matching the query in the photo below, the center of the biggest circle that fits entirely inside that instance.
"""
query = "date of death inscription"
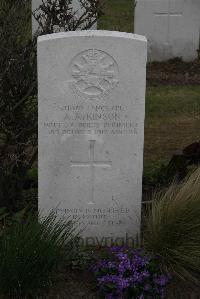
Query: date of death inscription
(92, 119)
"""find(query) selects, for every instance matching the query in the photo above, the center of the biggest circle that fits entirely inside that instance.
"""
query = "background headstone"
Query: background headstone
(91, 129)
(36, 4)
(172, 28)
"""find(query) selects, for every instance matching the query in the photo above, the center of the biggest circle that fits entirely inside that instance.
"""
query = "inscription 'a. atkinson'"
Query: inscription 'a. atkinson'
(94, 74)
(93, 116)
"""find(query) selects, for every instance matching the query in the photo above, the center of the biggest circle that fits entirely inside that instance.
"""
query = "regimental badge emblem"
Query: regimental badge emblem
(94, 74)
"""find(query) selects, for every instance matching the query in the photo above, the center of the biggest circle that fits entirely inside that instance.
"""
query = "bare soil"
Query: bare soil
(173, 72)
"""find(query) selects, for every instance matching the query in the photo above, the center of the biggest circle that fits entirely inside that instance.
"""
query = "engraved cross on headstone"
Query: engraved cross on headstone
(92, 164)
(169, 14)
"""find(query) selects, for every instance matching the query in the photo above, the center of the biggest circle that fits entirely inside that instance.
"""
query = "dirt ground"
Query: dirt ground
(173, 72)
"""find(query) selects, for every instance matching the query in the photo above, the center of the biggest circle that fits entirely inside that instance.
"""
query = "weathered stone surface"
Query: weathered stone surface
(91, 129)
(172, 28)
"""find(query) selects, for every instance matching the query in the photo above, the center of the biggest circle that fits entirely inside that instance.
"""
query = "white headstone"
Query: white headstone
(91, 129)
(172, 28)
(37, 3)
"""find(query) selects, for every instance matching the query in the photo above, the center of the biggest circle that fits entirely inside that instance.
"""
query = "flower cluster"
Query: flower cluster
(129, 273)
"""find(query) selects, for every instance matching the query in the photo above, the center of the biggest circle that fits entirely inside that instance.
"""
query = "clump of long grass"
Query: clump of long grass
(172, 229)
(30, 254)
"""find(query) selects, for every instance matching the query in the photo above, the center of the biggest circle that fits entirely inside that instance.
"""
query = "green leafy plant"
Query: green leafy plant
(172, 229)
(31, 252)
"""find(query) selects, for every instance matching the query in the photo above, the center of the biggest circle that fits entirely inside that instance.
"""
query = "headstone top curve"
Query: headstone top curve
(92, 33)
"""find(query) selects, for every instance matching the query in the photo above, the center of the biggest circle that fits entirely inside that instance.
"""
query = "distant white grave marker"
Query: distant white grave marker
(171, 26)
(168, 15)
(91, 130)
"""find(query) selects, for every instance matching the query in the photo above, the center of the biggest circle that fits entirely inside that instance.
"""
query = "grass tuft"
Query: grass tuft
(30, 254)
(172, 229)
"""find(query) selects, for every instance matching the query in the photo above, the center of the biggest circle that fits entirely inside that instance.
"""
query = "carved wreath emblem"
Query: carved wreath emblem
(94, 74)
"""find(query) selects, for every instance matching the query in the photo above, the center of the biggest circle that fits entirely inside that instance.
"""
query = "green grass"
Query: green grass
(173, 229)
(118, 16)
(172, 101)
(172, 121)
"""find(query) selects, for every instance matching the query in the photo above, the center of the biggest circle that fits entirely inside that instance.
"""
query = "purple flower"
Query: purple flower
(161, 280)
(123, 283)
(111, 265)
(110, 296)
(122, 256)
(147, 287)
(127, 271)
